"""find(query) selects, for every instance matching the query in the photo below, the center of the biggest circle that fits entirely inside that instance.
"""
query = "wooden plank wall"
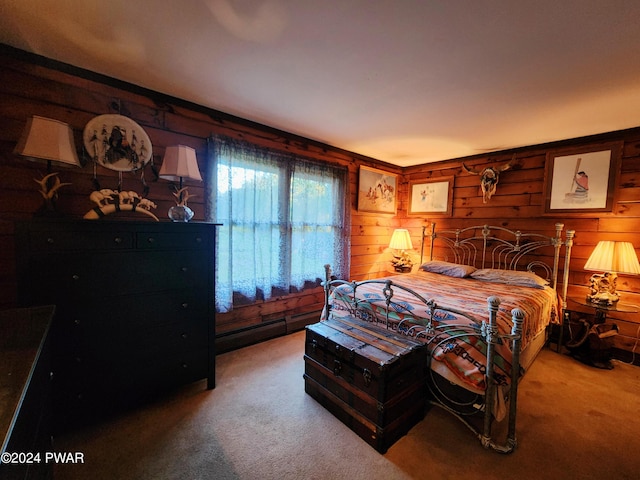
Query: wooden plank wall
(519, 204)
(32, 85)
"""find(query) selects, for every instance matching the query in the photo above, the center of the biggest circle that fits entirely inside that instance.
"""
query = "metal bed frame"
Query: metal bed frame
(483, 247)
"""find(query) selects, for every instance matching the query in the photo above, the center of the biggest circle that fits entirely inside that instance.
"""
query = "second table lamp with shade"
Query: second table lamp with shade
(180, 162)
(400, 243)
(51, 141)
(611, 258)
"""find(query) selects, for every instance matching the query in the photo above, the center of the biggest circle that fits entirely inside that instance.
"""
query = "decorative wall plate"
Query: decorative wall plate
(117, 143)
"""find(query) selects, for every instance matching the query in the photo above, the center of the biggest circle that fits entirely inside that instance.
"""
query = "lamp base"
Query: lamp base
(48, 209)
(604, 299)
(180, 213)
(602, 289)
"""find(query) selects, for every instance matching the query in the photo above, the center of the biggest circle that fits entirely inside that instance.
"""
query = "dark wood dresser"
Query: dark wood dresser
(135, 304)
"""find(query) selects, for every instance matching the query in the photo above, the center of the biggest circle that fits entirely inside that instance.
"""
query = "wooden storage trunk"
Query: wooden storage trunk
(371, 379)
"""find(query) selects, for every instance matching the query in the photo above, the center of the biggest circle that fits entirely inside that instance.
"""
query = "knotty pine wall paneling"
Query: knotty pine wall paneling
(519, 204)
(34, 85)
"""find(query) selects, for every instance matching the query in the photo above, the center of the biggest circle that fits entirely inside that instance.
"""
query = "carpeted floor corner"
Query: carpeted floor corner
(574, 421)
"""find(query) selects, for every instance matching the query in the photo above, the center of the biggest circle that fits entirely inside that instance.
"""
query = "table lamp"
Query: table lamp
(45, 139)
(400, 243)
(180, 162)
(611, 258)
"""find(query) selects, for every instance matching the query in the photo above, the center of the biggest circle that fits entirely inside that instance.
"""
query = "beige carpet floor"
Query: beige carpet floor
(575, 422)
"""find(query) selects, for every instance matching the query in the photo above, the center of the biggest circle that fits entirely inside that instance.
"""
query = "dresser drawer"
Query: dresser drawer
(50, 237)
(79, 276)
(192, 240)
(161, 271)
(129, 312)
(175, 338)
(172, 370)
(71, 277)
(113, 348)
(102, 389)
(71, 240)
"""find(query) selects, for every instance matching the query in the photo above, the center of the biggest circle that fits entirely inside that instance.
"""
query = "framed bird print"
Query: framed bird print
(582, 180)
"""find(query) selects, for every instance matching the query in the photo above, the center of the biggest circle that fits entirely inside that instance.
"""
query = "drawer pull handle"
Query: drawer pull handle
(151, 239)
(185, 366)
(76, 321)
(75, 277)
(117, 240)
(198, 240)
(50, 240)
(185, 305)
(184, 336)
(184, 269)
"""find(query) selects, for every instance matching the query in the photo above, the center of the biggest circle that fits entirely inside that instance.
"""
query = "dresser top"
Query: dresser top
(106, 224)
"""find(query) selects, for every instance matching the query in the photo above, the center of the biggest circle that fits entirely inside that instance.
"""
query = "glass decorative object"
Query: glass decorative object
(180, 213)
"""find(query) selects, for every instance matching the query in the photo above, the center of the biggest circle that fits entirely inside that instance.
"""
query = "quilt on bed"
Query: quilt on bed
(459, 356)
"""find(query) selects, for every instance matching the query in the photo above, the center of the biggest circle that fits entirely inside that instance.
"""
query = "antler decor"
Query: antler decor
(182, 195)
(47, 190)
(489, 177)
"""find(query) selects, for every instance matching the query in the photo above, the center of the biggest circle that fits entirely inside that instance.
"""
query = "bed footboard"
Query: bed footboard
(477, 410)
(468, 406)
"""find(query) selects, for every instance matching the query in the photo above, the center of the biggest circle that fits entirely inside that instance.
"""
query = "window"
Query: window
(283, 218)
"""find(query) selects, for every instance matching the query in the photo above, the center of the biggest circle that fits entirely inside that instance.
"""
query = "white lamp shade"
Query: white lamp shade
(179, 162)
(48, 139)
(401, 240)
(618, 257)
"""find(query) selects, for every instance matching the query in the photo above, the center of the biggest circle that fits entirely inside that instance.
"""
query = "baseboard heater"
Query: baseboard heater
(298, 322)
(264, 331)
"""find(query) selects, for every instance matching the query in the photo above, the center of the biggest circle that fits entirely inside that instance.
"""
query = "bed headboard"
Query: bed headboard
(486, 246)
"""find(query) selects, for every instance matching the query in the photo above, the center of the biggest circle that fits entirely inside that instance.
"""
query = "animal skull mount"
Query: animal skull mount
(489, 178)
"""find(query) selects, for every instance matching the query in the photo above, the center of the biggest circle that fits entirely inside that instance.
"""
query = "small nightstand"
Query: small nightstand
(592, 345)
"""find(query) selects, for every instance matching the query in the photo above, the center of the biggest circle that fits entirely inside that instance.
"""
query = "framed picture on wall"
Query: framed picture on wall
(377, 191)
(581, 179)
(431, 197)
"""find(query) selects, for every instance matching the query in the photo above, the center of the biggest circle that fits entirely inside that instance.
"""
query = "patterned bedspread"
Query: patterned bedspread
(459, 356)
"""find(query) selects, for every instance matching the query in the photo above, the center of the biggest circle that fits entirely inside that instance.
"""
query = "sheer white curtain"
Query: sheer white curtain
(283, 218)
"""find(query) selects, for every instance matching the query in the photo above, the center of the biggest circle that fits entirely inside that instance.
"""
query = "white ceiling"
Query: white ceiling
(403, 81)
